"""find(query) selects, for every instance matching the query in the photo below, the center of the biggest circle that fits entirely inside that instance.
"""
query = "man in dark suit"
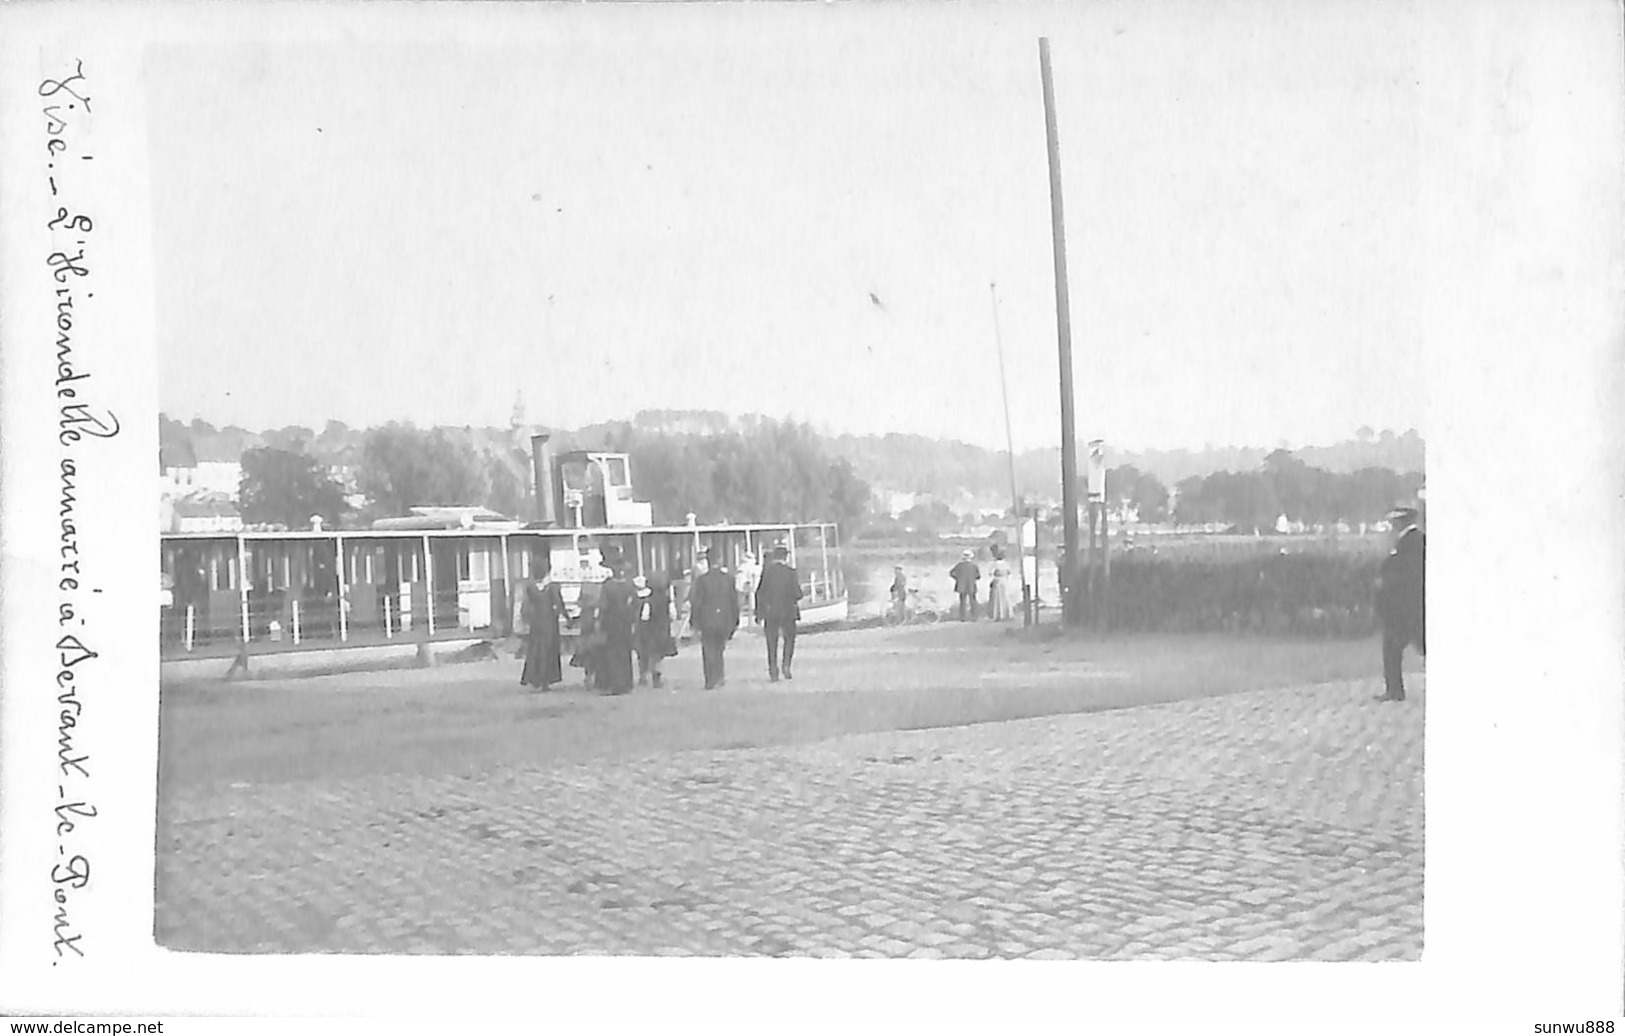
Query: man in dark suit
(965, 574)
(714, 612)
(778, 608)
(1401, 600)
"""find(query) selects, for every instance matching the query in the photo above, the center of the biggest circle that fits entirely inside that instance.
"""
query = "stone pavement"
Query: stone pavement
(1265, 825)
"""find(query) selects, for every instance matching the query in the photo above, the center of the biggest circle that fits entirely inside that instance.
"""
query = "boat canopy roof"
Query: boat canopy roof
(487, 531)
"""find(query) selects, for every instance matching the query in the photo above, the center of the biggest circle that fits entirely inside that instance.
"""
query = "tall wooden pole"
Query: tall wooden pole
(1063, 326)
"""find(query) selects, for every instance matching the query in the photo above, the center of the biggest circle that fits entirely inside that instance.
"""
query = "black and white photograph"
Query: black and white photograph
(790, 481)
(597, 493)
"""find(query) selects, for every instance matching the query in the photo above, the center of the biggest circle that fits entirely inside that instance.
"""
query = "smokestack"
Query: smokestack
(541, 474)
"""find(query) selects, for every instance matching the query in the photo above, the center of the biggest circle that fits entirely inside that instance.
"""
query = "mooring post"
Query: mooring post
(240, 663)
(425, 656)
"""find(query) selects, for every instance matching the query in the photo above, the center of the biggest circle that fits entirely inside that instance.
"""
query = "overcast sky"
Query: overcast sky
(612, 208)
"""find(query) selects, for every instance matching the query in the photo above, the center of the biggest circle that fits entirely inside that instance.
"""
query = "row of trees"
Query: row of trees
(765, 471)
(919, 464)
(900, 462)
(760, 471)
(751, 469)
(1283, 485)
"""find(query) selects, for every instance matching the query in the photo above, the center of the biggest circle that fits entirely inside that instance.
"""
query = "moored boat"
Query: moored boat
(456, 573)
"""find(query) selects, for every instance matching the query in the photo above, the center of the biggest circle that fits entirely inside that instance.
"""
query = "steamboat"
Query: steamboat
(456, 573)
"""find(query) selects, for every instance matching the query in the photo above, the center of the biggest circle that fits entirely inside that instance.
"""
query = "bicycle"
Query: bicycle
(912, 612)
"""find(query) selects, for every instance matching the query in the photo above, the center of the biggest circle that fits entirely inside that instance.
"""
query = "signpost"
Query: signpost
(1029, 566)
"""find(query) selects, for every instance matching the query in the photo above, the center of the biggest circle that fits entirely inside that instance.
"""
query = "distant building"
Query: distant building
(897, 503)
(184, 475)
(211, 513)
(197, 495)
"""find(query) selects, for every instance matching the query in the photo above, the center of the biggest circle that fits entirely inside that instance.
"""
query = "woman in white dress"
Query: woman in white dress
(998, 595)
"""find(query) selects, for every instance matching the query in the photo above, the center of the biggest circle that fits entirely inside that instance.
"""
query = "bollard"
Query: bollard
(389, 630)
(425, 657)
(191, 625)
(296, 622)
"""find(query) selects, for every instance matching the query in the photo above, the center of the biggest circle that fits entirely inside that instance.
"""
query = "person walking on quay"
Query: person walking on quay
(745, 581)
(682, 587)
(616, 612)
(714, 609)
(1401, 600)
(965, 576)
(654, 640)
(543, 607)
(778, 608)
(998, 593)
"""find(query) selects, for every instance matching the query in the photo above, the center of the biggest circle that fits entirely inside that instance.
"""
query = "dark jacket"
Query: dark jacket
(654, 620)
(965, 575)
(714, 604)
(778, 594)
(1401, 592)
(615, 610)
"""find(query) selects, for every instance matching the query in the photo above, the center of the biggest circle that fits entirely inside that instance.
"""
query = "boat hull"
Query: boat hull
(824, 613)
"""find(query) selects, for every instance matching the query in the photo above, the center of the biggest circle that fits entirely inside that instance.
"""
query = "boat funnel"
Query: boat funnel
(543, 492)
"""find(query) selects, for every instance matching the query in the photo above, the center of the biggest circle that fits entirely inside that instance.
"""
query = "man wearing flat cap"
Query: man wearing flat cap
(1401, 600)
(777, 608)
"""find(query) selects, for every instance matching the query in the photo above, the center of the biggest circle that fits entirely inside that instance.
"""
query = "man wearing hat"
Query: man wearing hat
(1401, 600)
(714, 612)
(778, 608)
(965, 574)
(616, 612)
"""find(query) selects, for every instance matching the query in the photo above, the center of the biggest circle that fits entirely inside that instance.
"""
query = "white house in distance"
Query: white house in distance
(219, 477)
(197, 495)
(201, 514)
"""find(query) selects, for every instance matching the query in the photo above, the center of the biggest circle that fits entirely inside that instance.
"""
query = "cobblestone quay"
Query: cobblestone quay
(1266, 825)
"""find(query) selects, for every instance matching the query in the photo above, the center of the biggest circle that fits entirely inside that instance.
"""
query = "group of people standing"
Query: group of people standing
(622, 618)
(966, 575)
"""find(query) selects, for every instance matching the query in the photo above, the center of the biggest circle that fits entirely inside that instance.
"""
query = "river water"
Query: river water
(868, 569)
(868, 573)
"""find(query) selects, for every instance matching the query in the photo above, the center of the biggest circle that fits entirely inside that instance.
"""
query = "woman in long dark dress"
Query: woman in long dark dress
(615, 617)
(589, 641)
(654, 640)
(544, 606)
